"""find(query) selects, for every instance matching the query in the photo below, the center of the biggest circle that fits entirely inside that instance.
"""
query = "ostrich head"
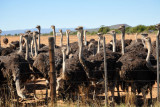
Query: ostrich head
(35, 33)
(53, 27)
(28, 31)
(38, 27)
(85, 31)
(158, 28)
(68, 31)
(144, 35)
(122, 28)
(80, 30)
(0, 31)
(60, 30)
(5, 40)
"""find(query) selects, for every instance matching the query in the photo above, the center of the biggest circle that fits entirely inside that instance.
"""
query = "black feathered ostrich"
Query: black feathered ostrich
(133, 69)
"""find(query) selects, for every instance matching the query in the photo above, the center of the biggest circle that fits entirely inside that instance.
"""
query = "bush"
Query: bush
(104, 29)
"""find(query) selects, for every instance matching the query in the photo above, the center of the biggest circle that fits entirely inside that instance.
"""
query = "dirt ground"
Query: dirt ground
(40, 83)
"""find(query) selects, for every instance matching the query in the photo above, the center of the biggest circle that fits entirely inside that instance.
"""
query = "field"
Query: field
(73, 38)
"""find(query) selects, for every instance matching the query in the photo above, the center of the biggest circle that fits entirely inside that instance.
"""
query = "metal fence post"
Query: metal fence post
(105, 71)
(52, 73)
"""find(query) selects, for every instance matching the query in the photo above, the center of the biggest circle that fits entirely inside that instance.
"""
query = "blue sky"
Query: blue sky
(23, 14)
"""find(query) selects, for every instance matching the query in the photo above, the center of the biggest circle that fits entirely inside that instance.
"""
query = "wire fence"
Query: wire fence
(78, 93)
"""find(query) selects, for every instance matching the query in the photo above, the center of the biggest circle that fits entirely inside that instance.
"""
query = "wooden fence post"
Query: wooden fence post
(52, 73)
(157, 53)
(105, 71)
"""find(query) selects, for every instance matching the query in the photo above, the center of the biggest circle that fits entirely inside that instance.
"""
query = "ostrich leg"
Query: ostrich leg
(18, 89)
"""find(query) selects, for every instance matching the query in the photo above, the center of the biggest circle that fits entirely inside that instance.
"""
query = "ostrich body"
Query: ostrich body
(39, 34)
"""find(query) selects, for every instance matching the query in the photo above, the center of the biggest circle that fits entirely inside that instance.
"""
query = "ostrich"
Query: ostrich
(54, 34)
(15, 68)
(61, 41)
(39, 34)
(68, 43)
(132, 65)
(96, 64)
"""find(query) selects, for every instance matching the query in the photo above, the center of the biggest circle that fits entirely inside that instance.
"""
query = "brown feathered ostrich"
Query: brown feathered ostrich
(39, 34)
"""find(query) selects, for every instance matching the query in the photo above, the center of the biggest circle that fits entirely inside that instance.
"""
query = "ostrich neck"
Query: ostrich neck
(81, 59)
(122, 42)
(136, 37)
(114, 42)
(54, 35)
(85, 41)
(68, 47)
(27, 49)
(64, 63)
(39, 38)
(149, 52)
(80, 45)
(98, 48)
(20, 43)
(35, 42)
(61, 39)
